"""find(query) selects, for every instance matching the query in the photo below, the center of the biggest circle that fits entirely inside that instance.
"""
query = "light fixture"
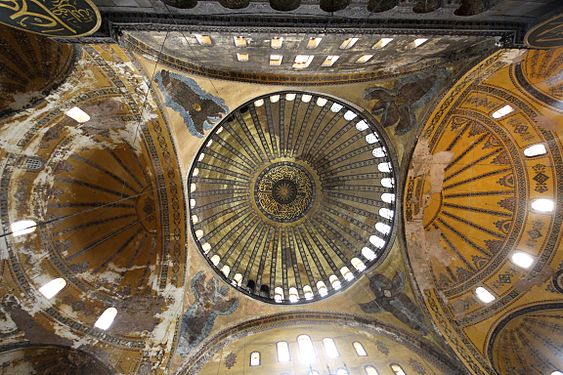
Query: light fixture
(543, 205)
(53, 287)
(106, 319)
(503, 111)
(381, 43)
(21, 227)
(535, 150)
(78, 115)
(484, 295)
(522, 259)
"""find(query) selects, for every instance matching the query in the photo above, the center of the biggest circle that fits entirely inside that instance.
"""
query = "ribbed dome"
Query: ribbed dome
(292, 196)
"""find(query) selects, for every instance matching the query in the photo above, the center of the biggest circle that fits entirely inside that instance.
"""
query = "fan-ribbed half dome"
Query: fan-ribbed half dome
(292, 196)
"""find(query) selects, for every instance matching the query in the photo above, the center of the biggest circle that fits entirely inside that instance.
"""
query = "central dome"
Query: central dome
(292, 196)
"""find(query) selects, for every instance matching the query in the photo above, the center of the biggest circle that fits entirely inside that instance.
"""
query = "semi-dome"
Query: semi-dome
(292, 196)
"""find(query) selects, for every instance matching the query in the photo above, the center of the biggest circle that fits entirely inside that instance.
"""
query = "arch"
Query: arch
(195, 360)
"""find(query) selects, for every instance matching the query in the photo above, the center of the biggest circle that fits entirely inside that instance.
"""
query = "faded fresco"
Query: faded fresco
(200, 110)
(211, 300)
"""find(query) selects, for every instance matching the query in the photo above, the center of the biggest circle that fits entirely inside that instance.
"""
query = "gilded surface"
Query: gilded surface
(53, 18)
(286, 192)
(467, 203)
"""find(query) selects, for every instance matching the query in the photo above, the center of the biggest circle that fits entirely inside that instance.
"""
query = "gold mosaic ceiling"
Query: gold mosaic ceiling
(292, 196)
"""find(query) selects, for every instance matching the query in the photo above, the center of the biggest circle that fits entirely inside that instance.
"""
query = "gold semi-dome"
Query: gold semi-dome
(293, 196)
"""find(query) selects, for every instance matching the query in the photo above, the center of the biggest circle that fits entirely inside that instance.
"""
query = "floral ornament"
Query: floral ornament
(389, 296)
(211, 300)
(395, 106)
(230, 360)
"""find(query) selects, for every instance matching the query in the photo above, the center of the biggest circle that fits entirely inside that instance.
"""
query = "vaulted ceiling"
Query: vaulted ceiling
(220, 203)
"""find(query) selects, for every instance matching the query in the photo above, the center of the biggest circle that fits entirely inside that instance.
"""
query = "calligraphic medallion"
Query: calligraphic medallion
(51, 18)
(284, 192)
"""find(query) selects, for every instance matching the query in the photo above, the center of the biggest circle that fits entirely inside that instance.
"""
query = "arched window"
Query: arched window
(359, 348)
(283, 351)
(321, 286)
(238, 279)
(293, 295)
(308, 292)
(333, 279)
(306, 348)
(342, 371)
(368, 253)
(346, 273)
(383, 228)
(398, 370)
(278, 294)
(330, 348)
(106, 319)
(370, 370)
(53, 287)
(215, 259)
(226, 270)
(255, 359)
(358, 264)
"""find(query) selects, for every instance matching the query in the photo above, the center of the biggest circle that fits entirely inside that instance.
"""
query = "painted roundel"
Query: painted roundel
(292, 196)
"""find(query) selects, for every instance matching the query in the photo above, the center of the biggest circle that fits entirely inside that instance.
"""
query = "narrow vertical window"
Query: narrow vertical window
(330, 348)
(255, 359)
(359, 348)
(283, 351)
(306, 348)
(398, 370)
(370, 370)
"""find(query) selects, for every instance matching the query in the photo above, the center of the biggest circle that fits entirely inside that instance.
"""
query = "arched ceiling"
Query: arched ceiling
(538, 327)
(108, 221)
(271, 57)
(229, 350)
(31, 67)
(50, 360)
(469, 192)
(292, 196)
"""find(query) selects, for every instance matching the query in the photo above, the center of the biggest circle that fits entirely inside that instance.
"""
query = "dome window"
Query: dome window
(484, 295)
(283, 351)
(106, 319)
(535, 150)
(255, 359)
(330, 348)
(53, 287)
(21, 227)
(359, 348)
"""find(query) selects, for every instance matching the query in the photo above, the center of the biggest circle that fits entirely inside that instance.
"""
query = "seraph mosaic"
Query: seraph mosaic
(200, 110)
(389, 296)
(397, 106)
(211, 300)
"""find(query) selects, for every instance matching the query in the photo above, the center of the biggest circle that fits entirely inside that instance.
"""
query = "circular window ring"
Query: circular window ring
(310, 246)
